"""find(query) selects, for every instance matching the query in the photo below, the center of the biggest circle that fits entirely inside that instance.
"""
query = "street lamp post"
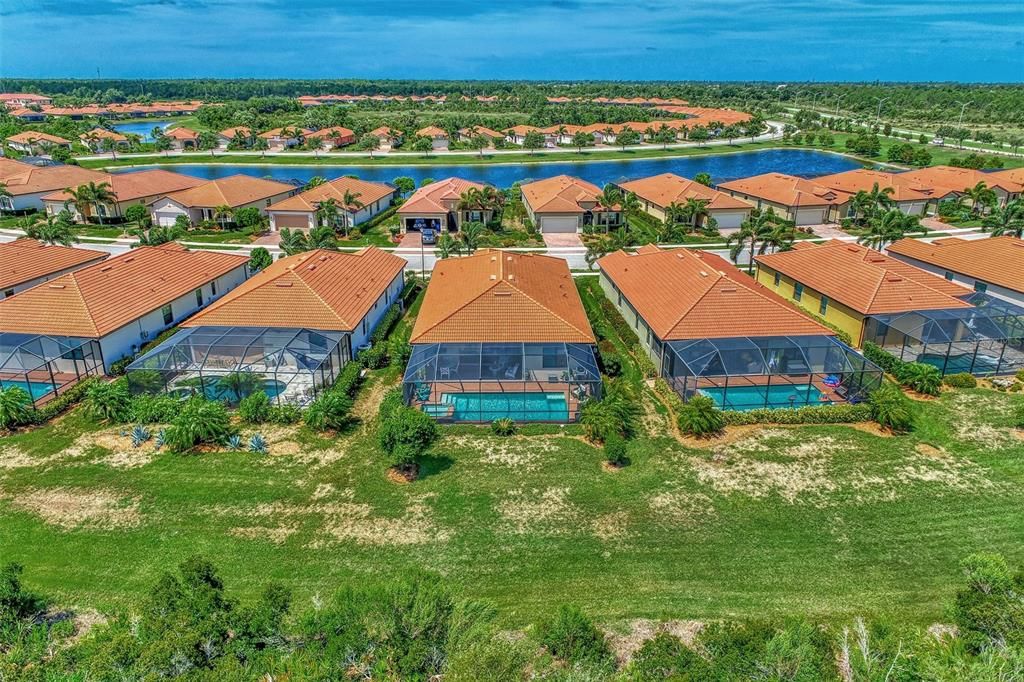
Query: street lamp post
(960, 121)
(878, 113)
(839, 98)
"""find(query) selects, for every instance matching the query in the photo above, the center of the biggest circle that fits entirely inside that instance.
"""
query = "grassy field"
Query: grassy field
(827, 521)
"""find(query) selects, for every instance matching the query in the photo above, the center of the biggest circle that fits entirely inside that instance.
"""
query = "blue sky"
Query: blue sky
(798, 40)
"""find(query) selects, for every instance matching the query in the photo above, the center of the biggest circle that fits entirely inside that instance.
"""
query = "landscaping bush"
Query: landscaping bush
(405, 435)
(285, 414)
(15, 407)
(616, 415)
(989, 611)
(374, 357)
(890, 408)
(65, 400)
(154, 409)
(888, 362)
(349, 379)
(329, 411)
(199, 421)
(921, 377)
(572, 637)
(255, 408)
(611, 364)
(109, 402)
(393, 401)
(843, 413)
(615, 450)
(961, 380)
(664, 657)
(699, 416)
(1018, 415)
(644, 363)
(503, 427)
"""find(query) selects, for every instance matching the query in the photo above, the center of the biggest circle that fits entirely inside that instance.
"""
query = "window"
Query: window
(8, 292)
(168, 315)
(778, 278)
(949, 275)
(798, 291)
(213, 288)
(364, 326)
(981, 287)
(199, 296)
(823, 306)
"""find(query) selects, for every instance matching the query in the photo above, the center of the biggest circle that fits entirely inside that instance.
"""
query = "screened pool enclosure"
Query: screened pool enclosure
(46, 366)
(292, 366)
(985, 340)
(481, 382)
(748, 372)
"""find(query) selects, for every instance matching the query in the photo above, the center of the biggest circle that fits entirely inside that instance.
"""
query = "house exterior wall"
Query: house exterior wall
(166, 210)
(994, 290)
(836, 314)
(365, 328)
(25, 202)
(648, 339)
(130, 338)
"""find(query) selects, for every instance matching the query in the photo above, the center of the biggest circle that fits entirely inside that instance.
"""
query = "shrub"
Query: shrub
(961, 380)
(615, 450)
(64, 400)
(255, 408)
(890, 408)
(572, 637)
(615, 415)
(664, 657)
(285, 414)
(1018, 415)
(154, 409)
(843, 413)
(503, 427)
(329, 411)
(349, 379)
(1019, 376)
(644, 362)
(393, 401)
(700, 417)
(921, 377)
(109, 402)
(405, 434)
(988, 611)
(374, 357)
(199, 421)
(611, 364)
(876, 354)
(259, 258)
(15, 407)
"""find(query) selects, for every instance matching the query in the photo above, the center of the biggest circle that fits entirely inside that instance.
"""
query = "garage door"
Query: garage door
(729, 219)
(292, 220)
(810, 216)
(566, 223)
(166, 218)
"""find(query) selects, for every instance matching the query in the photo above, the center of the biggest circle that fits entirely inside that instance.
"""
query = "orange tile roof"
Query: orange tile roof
(234, 190)
(138, 184)
(430, 199)
(327, 290)
(996, 260)
(182, 134)
(481, 130)
(24, 260)
(276, 132)
(386, 131)
(367, 193)
(431, 131)
(498, 296)
(32, 136)
(953, 179)
(865, 280)
(236, 130)
(103, 134)
(1011, 175)
(684, 294)
(334, 132)
(787, 190)
(522, 130)
(101, 298)
(25, 178)
(864, 179)
(662, 190)
(560, 194)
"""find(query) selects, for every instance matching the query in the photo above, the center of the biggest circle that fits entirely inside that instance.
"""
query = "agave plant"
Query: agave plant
(235, 442)
(161, 439)
(140, 434)
(257, 444)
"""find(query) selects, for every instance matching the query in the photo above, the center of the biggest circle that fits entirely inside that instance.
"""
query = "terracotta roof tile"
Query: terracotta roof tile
(667, 188)
(430, 199)
(236, 130)
(952, 179)
(234, 190)
(864, 179)
(103, 134)
(996, 260)
(139, 184)
(182, 134)
(560, 194)
(23, 178)
(787, 190)
(24, 260)
(431, 131)
(327, 290)
(33, 136)
(366, 193)
(498, 296)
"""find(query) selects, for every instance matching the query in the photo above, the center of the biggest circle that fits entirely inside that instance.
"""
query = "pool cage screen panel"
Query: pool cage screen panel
(744, 373)
(481, 382)
(229, 363)
(985, 340)
(46, 366)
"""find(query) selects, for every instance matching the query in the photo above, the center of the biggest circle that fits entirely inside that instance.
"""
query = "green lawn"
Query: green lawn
(828, 521)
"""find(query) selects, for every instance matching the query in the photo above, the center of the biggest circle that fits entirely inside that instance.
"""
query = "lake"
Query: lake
(143, 128)
(722, 167)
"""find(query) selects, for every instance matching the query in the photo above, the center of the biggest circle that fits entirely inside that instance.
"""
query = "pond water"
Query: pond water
(143, 128)
(722, 167)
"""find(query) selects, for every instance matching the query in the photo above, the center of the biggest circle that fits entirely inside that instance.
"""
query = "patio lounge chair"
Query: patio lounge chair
(512, 372)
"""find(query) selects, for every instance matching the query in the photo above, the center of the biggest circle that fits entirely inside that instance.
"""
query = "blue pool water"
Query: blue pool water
(213, 392)
(486, 407)
(955, 364)
(722, 167)
(742, 398)
(143, 128)
(36, 389)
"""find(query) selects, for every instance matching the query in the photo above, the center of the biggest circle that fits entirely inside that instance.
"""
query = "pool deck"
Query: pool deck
(828, 394)
(64, 383)
(439, 388)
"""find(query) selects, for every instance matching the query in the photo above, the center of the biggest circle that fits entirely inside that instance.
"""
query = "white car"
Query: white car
(938, 140)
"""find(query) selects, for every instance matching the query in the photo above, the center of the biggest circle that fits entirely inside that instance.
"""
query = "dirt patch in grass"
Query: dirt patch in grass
(731, 434)
(12, 457)
(612, 526)
(682, 507)
(367, 404)
(273, 534)
(71, 508)
(538, 511)
(930, 450)
(625, 644)
(521, 453)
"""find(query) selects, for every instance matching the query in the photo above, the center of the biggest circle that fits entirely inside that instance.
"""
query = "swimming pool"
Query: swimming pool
(213, 391)
(527, 407)
(36, 389)
(742, 398)
(965, 362)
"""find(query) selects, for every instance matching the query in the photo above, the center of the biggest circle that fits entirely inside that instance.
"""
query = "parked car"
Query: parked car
(428, 236)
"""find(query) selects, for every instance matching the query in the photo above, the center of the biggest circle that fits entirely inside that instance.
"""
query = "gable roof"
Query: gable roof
(1014, 175)
(954, 179)
(234, 190)
(430, 199)
(326, 290)
(101, 298)
(236, 130)
(331, 133)
(182, 134)
(368, 192)
(432, 131)
(32, 136)
(787, 190)
(386, 131)
(276, 132)
(560, 194)
(24, 260)
(481, 130)
(864, 279)
(103, 134)
(864, 179)
(662, 190)
(138, 184)
(684, 294)
(498, 296)
(25, 178)
(996, 260)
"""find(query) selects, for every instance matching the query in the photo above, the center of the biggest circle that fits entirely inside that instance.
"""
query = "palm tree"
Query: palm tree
(447, 246)
(888, 227)
(350, 202)
(981, 196)
(1008, 220)
(694, 210)
(241, 384)
(327, 213)
(471, 235)
(759, 225)
(314, 181)
(52, 232)
(293, 242)
(222, 214)
(5, 196)
(868, 204)
(609, 199)
(88, 196)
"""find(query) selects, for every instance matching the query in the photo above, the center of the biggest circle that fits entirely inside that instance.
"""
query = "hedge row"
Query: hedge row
(65, 400)
(884, 359)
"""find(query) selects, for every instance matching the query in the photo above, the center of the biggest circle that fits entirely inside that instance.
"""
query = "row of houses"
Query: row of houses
(317, 100)
(31, 108)
(502, 334)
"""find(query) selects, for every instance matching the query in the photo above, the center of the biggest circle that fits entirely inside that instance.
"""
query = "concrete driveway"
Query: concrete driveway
(562, 240)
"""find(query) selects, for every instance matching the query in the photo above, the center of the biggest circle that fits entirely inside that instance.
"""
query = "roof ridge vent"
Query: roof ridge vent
(703, 273)
(106, 268)
(283, 284)
(494, 277)
(57, 286)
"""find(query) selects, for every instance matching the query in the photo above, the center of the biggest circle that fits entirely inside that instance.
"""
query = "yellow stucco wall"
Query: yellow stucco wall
(847, 319)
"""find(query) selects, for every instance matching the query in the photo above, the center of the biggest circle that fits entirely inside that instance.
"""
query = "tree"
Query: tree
(240, 384)
(703, 179)
(297, 241)
(868, 204)
(314, 181)
(222, 214)
(758, 226)
(447, 246)
(665, 136)
(479, 143)
(327, 213)
(581, 139)
(981, 196)
(700, 135)
(52, 231)
(471, 235)
(259, 258)
(404, 184)
(137, 214)
(424, 145)
(350, 205)
(91, 195)
(1008, 220)
(533, 140)
(627, 137)
(888, 227)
